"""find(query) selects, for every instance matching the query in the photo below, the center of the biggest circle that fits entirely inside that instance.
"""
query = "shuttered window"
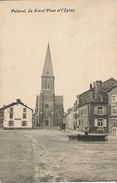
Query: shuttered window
(100, 123)
(114, 98)
(100, 110)
(104, 123)
(96, 123)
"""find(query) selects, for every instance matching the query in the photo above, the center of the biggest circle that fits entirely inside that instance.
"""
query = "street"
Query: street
(30, 156)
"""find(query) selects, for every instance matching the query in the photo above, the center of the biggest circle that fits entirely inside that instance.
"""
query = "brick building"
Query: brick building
(49, 108)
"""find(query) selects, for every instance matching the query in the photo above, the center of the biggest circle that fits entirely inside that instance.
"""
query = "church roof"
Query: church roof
(48, 69)
(59, 100)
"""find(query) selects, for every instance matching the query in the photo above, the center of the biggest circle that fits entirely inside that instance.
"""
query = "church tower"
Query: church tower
(49, 108)
(47, 94)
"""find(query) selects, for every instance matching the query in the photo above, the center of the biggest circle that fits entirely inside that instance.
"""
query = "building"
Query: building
(97, 108)
(16, 115)
(70, 117)
(93, 107)
(112, 110)
(49, 108)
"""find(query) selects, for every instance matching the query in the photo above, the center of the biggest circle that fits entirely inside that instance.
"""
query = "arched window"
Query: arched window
(48, 85)
(45, 84)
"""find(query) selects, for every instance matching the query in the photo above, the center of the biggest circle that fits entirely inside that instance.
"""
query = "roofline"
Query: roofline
(14, 103)
(110, 88)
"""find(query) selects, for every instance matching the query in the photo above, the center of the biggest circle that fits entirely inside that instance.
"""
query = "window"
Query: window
(100, 110)
(11, 123)
(11, 115)
(114, 98)
(11, 109)
(100, 122)
(45, 84)
(114, 110)
(48, 85)
(24, 123)
(114, 122)
(24, 109)
(24, 115)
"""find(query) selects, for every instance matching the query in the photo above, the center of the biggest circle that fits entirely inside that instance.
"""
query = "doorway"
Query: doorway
(46, 122)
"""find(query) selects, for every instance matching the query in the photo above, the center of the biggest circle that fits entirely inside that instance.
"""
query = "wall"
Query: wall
(18, 117)
(83, 117)
(95, 117)
(112, 117)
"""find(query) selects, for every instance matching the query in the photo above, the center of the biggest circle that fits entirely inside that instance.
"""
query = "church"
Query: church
(49, 109)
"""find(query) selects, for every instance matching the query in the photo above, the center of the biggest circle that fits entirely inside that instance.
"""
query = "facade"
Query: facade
(70, 118)
(49, 108)
(16, 115)
(83, 120)
(112, 110)
(97, 108)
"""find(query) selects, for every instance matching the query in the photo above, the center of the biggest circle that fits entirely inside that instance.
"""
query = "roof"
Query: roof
(18, 101)
(85, 97)
(111, 88)
(48, 69)
(59, 100)
(108, 84)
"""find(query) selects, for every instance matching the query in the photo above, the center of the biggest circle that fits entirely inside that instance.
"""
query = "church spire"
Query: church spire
(48, 69)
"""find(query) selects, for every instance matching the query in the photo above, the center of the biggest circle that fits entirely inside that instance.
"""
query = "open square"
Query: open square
(28, 156)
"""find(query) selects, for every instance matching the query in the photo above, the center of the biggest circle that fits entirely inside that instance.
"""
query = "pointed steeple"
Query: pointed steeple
(48, 69)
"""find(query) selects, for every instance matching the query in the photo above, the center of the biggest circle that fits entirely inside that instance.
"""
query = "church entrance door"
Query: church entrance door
(46, 122)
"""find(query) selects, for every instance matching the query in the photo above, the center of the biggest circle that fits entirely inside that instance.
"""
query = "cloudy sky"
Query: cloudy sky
(83, 46)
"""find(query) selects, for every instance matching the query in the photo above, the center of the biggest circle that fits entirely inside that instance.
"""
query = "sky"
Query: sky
(83, 45)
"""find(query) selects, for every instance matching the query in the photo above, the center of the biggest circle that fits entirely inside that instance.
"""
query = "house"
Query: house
(70, 117)
(16, 115)
(112, 110)
(93, 107)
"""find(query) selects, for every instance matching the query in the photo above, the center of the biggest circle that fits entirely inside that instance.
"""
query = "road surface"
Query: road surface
(31, 156)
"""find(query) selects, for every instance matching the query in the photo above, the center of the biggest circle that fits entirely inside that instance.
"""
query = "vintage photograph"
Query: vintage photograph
(58, 91)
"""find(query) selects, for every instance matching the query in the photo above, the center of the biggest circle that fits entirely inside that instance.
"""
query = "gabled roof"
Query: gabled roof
(48, 69)
(15, 103)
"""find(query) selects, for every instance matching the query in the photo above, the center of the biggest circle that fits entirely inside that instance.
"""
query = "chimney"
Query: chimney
(98, 88)
(18, 100)
(91, 86)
